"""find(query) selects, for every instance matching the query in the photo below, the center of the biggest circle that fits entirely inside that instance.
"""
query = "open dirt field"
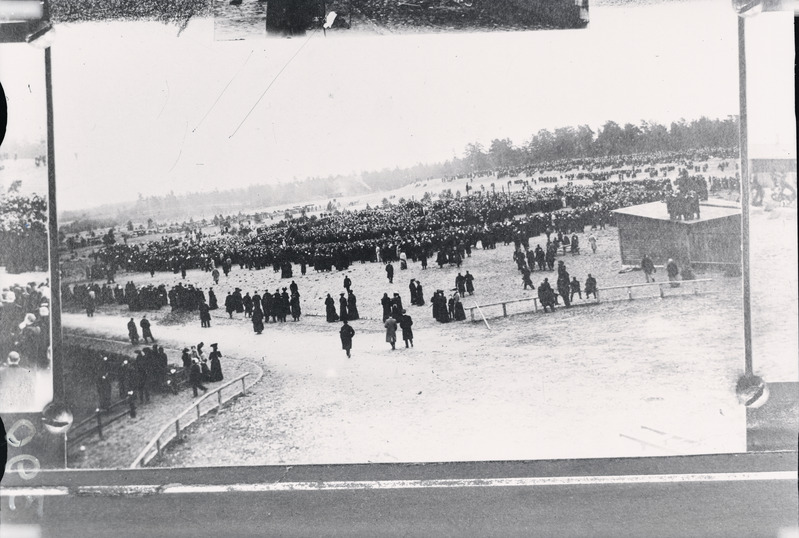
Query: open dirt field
(618, 379)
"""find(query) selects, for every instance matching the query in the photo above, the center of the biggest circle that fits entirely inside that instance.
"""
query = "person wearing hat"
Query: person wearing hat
(186, 358)
(145, 329)
(216, 365)
(386, 302)
(346, 333)
(142, 376)
(390, 272)
(330, 309)
(406, 322)
(347, 282)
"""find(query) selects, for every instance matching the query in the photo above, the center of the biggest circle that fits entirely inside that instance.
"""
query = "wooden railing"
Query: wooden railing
(628, 287)
(100, 419)
(172, 430)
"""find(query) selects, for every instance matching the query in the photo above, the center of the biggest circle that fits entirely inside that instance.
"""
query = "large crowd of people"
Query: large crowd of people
(25, 325)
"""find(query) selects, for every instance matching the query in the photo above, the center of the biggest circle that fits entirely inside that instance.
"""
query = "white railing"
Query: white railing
(629, 295)
(172, 430)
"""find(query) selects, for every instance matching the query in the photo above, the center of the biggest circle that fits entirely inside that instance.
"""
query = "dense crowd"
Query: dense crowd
(25, 325)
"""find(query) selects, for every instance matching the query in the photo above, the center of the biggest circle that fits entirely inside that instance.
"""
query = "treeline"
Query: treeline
(544, 146)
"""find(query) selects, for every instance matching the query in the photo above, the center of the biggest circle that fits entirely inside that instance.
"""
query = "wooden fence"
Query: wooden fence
(102, 418)
(172, 430)
(693, 285)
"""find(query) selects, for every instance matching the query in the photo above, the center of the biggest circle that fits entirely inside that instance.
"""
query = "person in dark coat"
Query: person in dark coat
(391, 331)
(145, 329)
(294, 288)
(142, 376)
(347, 282)
(205, 316)
(266, 302)
(247, 302)
(196, 377)
(546, 295)
(258, 321)
(390, 273)
(563, 284)
(458, 313)
(285, 305)
(352, 306)
(590, 286)
(460, 284)
(230, 305)
(407, 332)
(330, 309)
(414, 295)
(574, 286)
(469, 278)
(212, 304)
(672, 270)
(238, 302)
(346, 333)
(216, 364)
(133, 332)
(342, 308)
(386, 302)
(186, 358)
(294, 304)
(648, 268)
(419, 294)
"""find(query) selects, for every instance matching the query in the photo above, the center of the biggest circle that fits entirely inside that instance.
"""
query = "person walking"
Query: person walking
(346, 333)
(469, 278)
(133, 332)
(216, 364)
(390, 273)
(407, 332)
(391, 331)
(592, 242)
(574, 286)
(145, 329)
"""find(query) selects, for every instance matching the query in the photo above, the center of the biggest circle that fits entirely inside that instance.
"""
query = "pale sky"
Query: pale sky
(130, 97)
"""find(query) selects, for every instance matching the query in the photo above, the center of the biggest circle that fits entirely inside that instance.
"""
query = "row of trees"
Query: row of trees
(611, 139)
(23, 231)
(562, 143)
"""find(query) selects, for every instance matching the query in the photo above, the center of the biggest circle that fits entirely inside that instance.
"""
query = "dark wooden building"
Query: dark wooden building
(713, 240)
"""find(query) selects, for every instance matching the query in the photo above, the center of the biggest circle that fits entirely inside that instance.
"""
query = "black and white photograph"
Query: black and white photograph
(462, 234)
(253, 19)
(26, 375)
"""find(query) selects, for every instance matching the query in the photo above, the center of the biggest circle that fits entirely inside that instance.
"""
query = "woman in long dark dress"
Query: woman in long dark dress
(257, 320)
(330, 309)
(352, 306)
(216, 365)
(294, 303)
(212, 304)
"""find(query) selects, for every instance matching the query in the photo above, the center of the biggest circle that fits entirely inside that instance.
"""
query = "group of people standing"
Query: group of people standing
(202, 369)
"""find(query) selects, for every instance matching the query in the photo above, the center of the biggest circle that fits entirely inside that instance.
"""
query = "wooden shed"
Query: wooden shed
(713, 240)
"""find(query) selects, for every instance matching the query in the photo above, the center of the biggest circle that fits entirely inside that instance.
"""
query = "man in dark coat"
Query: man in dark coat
(330, 309)
(212, 304)
(230, 305)
(460, 285)
(258, 321)
(145, 329)
(407, 332)
(390, 273)
(469, 278)
(346, 333)
(294, 304)
(216, 365)
(563, 284)
(648, 268)
(186, 358)
(266, 302)
(590, 286)
(238, 302)
(391, 331)
(196, 377)
(247, 301)
(342, 308)
(419, 294)
(294, 288)
(143, 373)
(133, 332)
(386, 302)
(347, 282)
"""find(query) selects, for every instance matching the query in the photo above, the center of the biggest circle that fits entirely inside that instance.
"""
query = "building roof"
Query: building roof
(709, 210)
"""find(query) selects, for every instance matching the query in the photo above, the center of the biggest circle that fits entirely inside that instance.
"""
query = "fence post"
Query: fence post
(629, 293)
(243, 385)
(197, 407)
(177, 428)
(132, 404)
(471, 312)
(661, 290)
(504, 310)
(535, 303)
(158, 446)
(219, 397)
(597, 295)
(99, 423)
